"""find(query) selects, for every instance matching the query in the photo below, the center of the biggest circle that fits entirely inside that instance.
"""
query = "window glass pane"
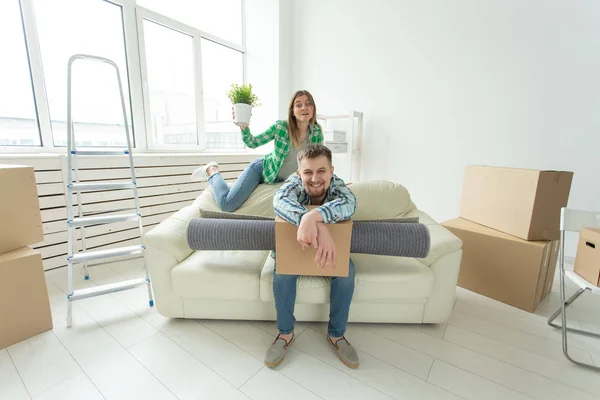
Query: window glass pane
(170, 69)
(95, 27)
(221, 66)
(222, 18)
(18, 120)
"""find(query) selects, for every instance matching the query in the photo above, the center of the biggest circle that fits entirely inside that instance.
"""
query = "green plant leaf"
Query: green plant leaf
(242, 94)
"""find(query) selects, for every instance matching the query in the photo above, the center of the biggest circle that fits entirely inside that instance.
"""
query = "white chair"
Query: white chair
(573, 221)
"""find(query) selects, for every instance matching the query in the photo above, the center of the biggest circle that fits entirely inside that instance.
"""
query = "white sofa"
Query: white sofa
(238, 284)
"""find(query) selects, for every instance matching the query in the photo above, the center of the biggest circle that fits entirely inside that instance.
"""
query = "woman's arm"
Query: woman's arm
(262, 138)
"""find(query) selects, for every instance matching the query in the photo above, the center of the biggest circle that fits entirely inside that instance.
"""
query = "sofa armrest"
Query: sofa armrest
(170, 236)
(442, 240)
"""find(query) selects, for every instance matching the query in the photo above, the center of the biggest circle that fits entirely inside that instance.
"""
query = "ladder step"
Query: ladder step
(105, 289)
(100, 152)
(109, 219)
(82, 187)
(101, 254)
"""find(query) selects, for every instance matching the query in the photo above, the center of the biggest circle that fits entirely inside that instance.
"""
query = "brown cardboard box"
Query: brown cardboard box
(504, 267)
(24, 304)
(291, 259)
(522, 202)
(20, 217)
(587, 260)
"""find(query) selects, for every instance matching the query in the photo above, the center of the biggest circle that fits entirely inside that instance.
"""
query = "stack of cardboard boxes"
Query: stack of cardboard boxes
(24, 304)
(510, 224)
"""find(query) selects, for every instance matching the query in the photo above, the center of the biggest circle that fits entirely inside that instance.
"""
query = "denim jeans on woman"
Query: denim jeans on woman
(230, 200)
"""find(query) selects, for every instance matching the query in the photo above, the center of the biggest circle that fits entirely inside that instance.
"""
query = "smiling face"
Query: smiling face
(303, 108)
(316, 174)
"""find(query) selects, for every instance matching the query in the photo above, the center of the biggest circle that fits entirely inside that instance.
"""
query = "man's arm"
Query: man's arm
(342, 207)
(286, 201)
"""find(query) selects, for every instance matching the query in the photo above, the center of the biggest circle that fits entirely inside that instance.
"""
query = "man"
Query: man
(314, 184)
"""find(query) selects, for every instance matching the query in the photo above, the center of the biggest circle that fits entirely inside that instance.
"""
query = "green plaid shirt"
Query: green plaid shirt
(278, 132)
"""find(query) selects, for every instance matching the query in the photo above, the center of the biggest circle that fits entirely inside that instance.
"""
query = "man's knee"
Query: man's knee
(348, 280)
(285, 279)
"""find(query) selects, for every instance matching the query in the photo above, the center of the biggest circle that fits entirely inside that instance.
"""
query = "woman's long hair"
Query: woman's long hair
(292, 123)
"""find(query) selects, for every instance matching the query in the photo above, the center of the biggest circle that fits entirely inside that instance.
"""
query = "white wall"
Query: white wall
(444, 84)
(262, 61)
(285, 56)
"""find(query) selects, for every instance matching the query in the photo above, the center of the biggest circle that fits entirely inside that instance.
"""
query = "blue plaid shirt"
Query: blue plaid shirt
(290, 199)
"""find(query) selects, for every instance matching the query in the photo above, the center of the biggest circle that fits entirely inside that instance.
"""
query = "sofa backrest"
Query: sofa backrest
(375, 199)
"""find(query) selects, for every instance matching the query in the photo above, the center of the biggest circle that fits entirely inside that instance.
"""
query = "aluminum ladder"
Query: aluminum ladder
(74, 186)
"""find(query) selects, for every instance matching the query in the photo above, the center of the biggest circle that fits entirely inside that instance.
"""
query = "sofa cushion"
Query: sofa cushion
(375, 200)
(380, 200)
(378, 278)
(225, 275)
(384, 278)
(259, 203)
(311, 289)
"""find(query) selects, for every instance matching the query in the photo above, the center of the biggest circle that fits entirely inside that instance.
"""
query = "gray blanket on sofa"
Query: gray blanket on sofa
(385, 237)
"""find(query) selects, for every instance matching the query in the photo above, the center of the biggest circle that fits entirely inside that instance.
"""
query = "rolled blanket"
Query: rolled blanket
(382, 238)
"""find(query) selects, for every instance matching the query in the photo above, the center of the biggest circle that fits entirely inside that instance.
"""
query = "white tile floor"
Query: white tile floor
(119, 348)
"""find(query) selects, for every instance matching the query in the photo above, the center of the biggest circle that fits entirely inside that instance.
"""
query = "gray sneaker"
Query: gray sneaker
(346, 353)
(276, 352)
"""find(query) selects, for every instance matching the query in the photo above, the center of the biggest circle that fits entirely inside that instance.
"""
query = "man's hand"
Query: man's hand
(326, 253)
(307, 230)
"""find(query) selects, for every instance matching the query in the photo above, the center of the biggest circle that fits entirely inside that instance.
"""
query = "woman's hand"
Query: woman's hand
(242, 126)
(326, 253)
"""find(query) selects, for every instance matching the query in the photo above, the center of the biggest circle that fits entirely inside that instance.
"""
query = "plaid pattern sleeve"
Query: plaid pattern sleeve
(290, 199)
(262, 138)
(340, 203)
(279, 134)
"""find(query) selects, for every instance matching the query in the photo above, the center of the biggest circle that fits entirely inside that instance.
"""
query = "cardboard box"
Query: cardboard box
(503, 267)
(291, 259)
(20, 216)
(24, 303)
(522, 202)
(587, 260)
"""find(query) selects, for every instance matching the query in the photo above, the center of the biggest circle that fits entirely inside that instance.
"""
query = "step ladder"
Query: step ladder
(81, 221)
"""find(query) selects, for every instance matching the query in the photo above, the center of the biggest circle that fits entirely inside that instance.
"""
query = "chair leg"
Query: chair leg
(563, 312)
(559, 312)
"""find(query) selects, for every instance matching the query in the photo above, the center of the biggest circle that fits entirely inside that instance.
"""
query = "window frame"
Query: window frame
(132, 18)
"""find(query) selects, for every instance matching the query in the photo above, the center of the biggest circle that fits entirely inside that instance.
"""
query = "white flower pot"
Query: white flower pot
(242, 113)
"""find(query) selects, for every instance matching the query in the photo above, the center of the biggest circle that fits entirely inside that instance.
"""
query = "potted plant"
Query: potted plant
(243, 99)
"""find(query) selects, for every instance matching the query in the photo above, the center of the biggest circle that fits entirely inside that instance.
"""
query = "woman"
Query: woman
(290, 137)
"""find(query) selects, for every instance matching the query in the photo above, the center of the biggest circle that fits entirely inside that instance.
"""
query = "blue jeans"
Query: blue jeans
(230, 200)
(342, 289)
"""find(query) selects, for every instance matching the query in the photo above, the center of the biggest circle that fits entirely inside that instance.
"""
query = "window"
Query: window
(221, 66)
(176, 61)
(187, 77)
(18, 120)
(222, 18)
(95, 27)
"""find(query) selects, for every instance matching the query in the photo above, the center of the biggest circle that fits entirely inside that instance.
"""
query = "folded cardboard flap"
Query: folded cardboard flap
(291, 259)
